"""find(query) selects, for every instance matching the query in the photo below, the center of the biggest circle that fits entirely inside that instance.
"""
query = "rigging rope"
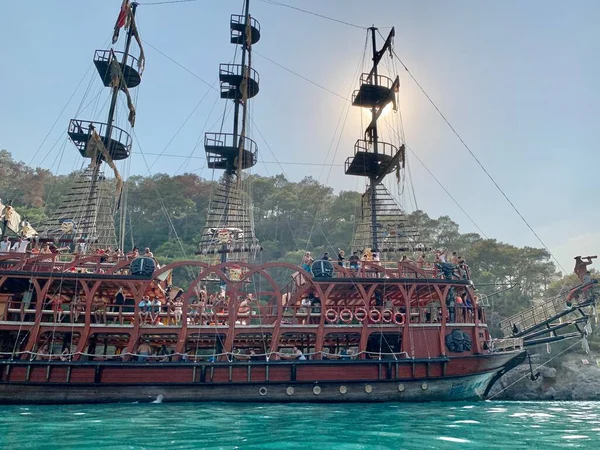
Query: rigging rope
(466, 146)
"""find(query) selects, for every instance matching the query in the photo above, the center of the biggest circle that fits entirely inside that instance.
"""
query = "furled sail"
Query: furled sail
(11, 217)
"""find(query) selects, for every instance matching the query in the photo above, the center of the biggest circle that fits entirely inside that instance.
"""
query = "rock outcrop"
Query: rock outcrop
(572, 376)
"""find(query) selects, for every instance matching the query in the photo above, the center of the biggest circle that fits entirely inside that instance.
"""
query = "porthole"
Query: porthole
(317, 390)
(262, 391)
(343, 389)
(289, 391)
(368, 388)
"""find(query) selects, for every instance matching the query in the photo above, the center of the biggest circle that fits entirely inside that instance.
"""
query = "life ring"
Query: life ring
(360, 314)
(399, 318)
(331, 315)
(387, 316)
(346, 315)
(375, 316)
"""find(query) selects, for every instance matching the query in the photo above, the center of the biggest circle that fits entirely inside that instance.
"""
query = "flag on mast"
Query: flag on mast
(121, 20)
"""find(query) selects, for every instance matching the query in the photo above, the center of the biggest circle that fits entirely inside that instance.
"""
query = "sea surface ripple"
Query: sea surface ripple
(481, 425)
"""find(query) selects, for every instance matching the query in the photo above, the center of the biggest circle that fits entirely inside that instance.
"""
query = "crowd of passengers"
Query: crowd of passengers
(441, 264)
(23, 245)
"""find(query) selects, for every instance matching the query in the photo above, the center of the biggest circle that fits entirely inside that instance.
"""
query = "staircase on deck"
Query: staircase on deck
(551, 316)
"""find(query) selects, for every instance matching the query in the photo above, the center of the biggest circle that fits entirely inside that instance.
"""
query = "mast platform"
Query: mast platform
(367, 163)
(131, 76)
(80, 133)
(231, 77)
(222, 151)
(377, 94)
(238, 30)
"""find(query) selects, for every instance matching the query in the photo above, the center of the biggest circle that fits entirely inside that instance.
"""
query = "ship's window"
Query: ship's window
(12, 341)
(245, 343)
(161, 344)
(384, 345)
(341, 345)
(202, 347)
(57, 342)
(106, 345)
(304, 341)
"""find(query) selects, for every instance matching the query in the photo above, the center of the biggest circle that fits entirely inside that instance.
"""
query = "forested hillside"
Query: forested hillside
(290, 217)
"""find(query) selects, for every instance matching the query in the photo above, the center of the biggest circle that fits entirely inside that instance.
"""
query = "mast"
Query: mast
(374, 138)
(375, 159)
(229, 227)
(117, 88)
(87, 212)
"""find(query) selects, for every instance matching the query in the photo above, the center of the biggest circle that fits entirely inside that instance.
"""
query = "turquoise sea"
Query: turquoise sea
(481, 425)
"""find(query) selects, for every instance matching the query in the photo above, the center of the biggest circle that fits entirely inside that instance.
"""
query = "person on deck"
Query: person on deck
(119, 302)
(454, 258)
(156, 306)
(421, 261)
(325, 257)
(178, 306)
(307, 261)
(144, 350)
(99, 309)
(5, 245)
(353, 260)
(56, 303)
(20, 246)
(148, 253)
(581, 269)
(298, 354)
(144, 307)
(341, 257)
(77, 308)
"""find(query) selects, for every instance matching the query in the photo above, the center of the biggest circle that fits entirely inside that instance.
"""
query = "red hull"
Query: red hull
(308, 381)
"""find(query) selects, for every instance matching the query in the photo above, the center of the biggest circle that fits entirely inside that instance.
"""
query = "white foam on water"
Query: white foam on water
(453, 439)
(469, 407)
(79, 414)
(466, 421)
(26, 414)
(575, 436)
(497, 410)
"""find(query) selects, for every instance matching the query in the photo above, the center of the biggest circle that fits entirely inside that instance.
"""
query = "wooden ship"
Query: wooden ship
(88, 325)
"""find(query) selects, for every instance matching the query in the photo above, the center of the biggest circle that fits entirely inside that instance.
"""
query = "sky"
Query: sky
(517, 80)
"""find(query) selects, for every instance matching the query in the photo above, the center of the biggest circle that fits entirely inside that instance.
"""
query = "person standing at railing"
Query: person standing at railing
(20, 246)
(353, 260)
(421, 261)
(454, 259)
(341, 257)
(307, 261)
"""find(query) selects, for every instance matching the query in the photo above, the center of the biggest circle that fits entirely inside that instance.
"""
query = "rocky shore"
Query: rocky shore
(572, 376)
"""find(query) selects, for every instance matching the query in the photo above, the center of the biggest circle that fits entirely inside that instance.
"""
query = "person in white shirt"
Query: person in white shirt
(442, 256)
(5, 245)
(20, 246)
